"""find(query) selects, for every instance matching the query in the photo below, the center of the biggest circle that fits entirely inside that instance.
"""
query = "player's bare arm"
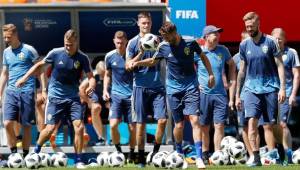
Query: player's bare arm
(106, 84)
(232, 85)
(3, 80)
(33, 70)
(280, 68)
(239, 84)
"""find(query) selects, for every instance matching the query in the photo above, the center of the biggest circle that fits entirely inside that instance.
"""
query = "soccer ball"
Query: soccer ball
(45, 159)
(92, 162)
(15, 160)
(263, 150)
(267, 161)
(219, 158)
(237, 150)
(116, 159)
(226, 142)
(102, 158)
(296, 156)
(159, 159)
(174, 160)
(149, 42)
(148, 158)
(241, 161)
(32, 160)
(59, 159)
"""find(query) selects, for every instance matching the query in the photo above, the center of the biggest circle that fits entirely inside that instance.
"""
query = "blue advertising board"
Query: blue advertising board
(97, 28)
(42, 30)
(189, 16)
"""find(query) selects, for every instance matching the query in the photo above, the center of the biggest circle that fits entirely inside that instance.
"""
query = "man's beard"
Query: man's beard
(254, 34)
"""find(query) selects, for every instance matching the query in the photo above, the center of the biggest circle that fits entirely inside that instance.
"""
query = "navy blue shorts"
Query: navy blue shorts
(243, 122)
(120, 106)
(184, 103)
(59, 109)
(213, 109)
(285, 111)
(19, 106)
(261, 106)
(146, 102)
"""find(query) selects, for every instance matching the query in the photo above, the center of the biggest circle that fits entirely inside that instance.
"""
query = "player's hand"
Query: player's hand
(129, 65)
(89, 91)
(211, 81)
(231, 105)
(292, 100)
(105, 95)
(20, 82)
(238, 103)
(281, 96)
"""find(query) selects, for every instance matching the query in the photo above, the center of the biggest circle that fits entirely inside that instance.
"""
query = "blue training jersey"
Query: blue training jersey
(18, 61)
(181, 74)
(148, 77)
(290, 60)
(261, 73)
(121, 79)
(237, 58)
(217, 58)
(66, 72)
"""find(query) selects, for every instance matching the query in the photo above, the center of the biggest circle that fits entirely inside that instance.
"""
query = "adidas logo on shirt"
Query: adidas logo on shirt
(114, 63)
(248, 52)
(60, 62)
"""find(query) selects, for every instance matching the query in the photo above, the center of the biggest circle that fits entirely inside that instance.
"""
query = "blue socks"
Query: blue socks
(198, 146)
(78, 157)
(179, 148)
(37, 148)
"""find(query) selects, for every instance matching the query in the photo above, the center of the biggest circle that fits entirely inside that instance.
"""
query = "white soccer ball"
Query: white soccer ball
(174, 160)
(237, 150)
(149, 42)
(102, 158)
(267, 161)
(159, 159)
(45, 159)
(116, 159)
(219, 158)
(148, 162)
(59, 159)
(226, 142)
(15, 160)
(296, 156)
(32, 160)
(241, 161)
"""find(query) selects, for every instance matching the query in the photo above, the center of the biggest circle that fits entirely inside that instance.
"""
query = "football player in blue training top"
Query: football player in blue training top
(181, 83)
(262, 70)
(148, 90)
(68, 63)
(120, 81)
(19, 103)
(292, 71)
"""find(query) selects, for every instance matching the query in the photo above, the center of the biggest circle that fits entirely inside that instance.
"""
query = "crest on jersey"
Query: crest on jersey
(284, 57)
(76, 64)
(21, 56)
(187, 50)
(220, 56)
(265, 49)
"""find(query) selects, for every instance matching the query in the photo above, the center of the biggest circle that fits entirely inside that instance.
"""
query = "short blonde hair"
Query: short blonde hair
(9, 28)
(251, 16)
(120, 34)
(70, 34)
(100, 66)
